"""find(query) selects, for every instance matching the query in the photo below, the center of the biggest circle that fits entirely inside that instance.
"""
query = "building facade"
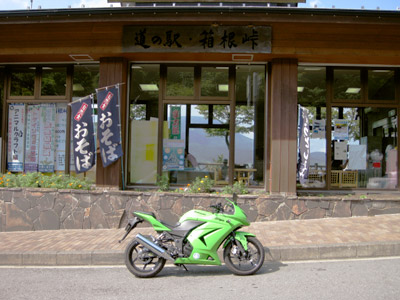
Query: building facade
(278, 97)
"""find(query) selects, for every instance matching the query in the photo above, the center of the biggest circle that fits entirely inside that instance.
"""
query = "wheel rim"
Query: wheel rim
(143, 260)
(245, 261)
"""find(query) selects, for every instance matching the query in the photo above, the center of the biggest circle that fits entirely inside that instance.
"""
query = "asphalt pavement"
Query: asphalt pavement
(317, 239)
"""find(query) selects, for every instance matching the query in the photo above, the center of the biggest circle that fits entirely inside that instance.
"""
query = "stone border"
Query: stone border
(24, 209)
(272, 254)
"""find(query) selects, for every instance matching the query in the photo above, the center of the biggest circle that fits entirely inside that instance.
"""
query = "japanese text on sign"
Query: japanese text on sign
(231, 39)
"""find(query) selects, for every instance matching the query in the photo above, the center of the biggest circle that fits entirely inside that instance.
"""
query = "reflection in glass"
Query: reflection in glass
(85, 80)
(180, 81)
(54, 81)
(144, 82)
(23, 81)
(346, 84)
(364, 148)
(249, 125)
(311, 86)
(381, 85)
(215, 81)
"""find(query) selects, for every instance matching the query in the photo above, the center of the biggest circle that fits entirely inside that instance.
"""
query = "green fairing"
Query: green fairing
(207, 238)
(241, 237)
(157, 225)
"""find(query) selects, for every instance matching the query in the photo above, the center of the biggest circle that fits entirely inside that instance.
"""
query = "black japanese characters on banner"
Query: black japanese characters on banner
(304, 145)
(108, 127)
(83, 134)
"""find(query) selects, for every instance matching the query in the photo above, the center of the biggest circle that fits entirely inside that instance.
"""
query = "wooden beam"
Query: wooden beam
(283, 126)
(113, 70)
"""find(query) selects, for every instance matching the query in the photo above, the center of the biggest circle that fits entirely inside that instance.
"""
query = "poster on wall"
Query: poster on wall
(60, 136)
(143, 155)
(175, 123)
(32, 138)
(108, 126)
(16, 137)
(341, 130)
(47, 138)
(357, 157)
(304, 145)
(83, 135)
(318, 130)
(340, 150)
(173, 154)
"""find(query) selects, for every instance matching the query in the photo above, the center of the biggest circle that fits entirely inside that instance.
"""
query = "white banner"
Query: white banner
(32, 138)
(47, 138)
(60, 136)
(16, 124)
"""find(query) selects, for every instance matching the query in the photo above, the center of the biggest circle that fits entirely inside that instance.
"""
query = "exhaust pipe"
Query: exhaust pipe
(153, 247)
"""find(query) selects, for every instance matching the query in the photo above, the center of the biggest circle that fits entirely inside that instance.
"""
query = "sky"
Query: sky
(47, 4)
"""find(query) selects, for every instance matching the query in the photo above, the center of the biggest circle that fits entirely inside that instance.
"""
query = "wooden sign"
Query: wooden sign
(197, 39)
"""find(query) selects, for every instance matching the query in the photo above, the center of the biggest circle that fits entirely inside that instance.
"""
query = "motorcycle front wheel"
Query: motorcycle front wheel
(141, 262)
(244, 263)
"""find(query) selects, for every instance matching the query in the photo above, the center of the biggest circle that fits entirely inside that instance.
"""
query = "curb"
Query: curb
(283, 253)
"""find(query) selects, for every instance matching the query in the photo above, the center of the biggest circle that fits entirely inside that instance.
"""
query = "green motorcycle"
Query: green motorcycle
(195, 239)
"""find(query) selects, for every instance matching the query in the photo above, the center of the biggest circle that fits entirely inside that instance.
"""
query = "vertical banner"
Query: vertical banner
(16, 124)
(304, 145)
(108, 126)
(83, 134)
(32, 138)
(175, 125)
(60, 136)
(47, 138)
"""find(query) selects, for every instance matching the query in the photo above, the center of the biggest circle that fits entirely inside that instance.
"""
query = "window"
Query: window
(381, 85)
(215, 81)
(362, 107)
(37, 99)
(197, 124)
(53, 81)
(312, 126)
(364, 147)
(180, 82)
(23, 81)
(249, 125)
(143, 124)
(346, 84)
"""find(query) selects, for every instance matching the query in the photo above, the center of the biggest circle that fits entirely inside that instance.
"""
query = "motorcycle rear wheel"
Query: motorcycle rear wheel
(141, 262)
(246, 263)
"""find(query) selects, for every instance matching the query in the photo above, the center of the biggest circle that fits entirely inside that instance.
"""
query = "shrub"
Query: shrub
(163, 182)
(41, 180)
(201, 185)
(238, 188)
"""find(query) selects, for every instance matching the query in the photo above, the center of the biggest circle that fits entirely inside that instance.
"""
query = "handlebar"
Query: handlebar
(218, 208)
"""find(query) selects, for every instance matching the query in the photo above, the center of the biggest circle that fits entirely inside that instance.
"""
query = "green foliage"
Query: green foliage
(40, 180)
(201, 185)
(238, 188)
(163, 182)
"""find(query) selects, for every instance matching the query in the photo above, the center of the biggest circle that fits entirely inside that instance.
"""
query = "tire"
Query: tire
(141, 262)
(244, 263)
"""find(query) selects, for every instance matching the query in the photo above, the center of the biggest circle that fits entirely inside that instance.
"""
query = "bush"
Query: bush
(40, 180)
(201, 185)
(238, 188)
(163, 182)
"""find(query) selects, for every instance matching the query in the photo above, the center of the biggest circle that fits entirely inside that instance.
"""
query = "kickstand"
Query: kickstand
(183, 266)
